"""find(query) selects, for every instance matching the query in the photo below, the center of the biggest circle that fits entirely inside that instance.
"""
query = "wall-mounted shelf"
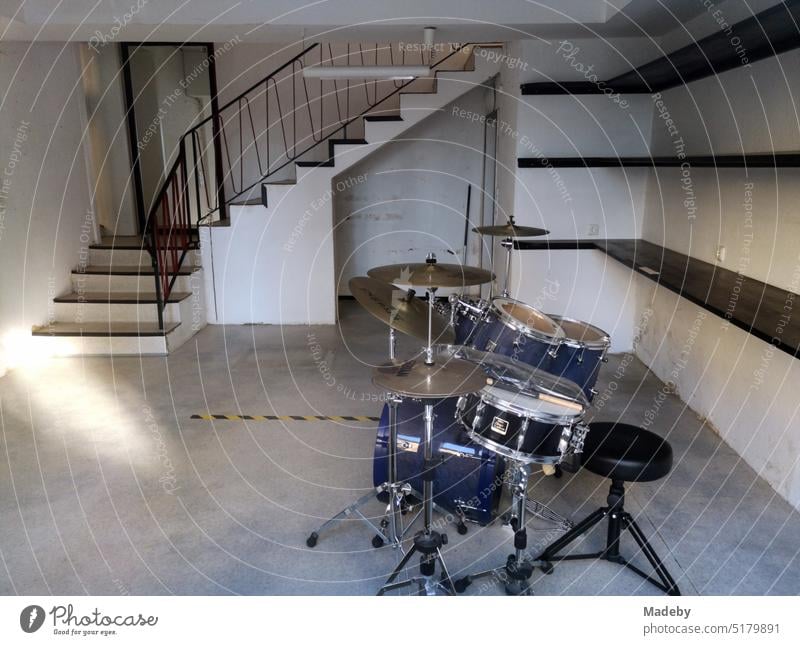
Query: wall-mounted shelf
(766, 160)
(754, 306)
(768, 33)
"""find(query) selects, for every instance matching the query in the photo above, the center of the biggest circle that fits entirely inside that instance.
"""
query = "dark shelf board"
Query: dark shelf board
(761, 160)
(752, 305)
(768, 33)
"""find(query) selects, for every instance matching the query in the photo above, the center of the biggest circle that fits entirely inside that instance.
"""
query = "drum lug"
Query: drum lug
(553, 351)
(593, 391)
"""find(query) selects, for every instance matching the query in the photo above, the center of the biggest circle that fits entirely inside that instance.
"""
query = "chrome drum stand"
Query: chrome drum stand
(518, 569)
(427, 542)
(391, 528)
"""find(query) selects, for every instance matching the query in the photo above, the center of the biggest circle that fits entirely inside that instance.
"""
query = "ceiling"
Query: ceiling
(291, 20)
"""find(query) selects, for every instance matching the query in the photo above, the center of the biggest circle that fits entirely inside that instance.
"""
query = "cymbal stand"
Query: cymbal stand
(507, 244)
(391, 528)
(427, 542)
(517, 571)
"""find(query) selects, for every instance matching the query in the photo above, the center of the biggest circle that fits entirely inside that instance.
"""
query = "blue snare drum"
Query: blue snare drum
(468, 481)
(579, 355)
(519, 331)
(466, 316)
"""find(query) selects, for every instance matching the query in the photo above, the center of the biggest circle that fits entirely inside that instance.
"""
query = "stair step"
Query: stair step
(328, 163)
(104, 330)
(347, 142)
(98, 269)
(120, 242)
(120, 298)
(383, 117)
(125, 243)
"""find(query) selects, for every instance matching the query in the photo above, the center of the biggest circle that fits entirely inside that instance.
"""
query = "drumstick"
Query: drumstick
(561, 402)
(550, 399)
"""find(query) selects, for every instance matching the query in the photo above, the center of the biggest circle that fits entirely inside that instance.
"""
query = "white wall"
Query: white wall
(741, 384)
(44, 187)
(584, 284)
(409, 197)
(108, 140)
(575, 203)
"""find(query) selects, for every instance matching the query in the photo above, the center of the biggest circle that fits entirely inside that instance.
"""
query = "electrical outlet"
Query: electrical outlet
(594, 230)
(720, 253)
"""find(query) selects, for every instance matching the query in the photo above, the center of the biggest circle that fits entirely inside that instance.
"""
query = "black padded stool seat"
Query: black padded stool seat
(625, 452)
(622, 453)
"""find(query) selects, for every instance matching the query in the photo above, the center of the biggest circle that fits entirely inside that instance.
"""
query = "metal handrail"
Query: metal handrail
(171, 229)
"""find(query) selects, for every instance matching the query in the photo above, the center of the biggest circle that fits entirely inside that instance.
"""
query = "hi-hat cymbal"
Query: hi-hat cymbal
(416, 379)
(400, 310)
(510, 230)
(431, 274)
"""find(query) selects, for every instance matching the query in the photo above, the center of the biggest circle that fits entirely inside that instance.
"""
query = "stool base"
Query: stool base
(618, 520)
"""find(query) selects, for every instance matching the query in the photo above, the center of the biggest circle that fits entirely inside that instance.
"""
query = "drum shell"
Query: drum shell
(542, 441)
(469, 477)
(492, 335)
(581, 365)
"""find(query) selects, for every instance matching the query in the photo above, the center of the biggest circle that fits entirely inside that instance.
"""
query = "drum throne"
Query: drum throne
(621, 453)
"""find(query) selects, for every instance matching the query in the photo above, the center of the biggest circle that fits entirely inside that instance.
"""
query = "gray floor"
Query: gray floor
(108, 487)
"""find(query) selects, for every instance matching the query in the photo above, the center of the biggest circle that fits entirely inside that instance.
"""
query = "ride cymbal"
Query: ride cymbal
(510, 230)
(416, 379)
(431, 274)
(400, 310)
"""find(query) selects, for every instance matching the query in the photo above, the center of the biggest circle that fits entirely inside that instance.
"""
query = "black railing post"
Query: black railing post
(152, 223)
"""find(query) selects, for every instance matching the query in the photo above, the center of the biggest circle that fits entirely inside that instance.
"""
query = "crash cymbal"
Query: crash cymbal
(415, 379)
(431, 274)
(510, 230)
(400, 310)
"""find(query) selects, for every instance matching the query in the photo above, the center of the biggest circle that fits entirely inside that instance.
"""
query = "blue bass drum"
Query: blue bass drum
(469, 480)
(579, 355)
(514, 329)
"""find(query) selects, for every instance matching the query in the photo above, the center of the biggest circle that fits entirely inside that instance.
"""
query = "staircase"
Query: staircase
(145, 295)
(113, 306)
(262, 233)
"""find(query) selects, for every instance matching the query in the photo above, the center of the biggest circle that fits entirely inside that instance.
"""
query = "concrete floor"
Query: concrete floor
(108, 487)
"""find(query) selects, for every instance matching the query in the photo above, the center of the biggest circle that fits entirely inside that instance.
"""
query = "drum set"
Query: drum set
(498, 389)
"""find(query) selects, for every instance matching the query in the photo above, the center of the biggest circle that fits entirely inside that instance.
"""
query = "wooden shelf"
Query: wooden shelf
(768, 33)
(754, 306)
(760, 160)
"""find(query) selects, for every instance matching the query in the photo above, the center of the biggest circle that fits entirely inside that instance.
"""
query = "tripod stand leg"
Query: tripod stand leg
(388, 586)
(445, 573)
(668, 583)
(579, 529)
(344, 514)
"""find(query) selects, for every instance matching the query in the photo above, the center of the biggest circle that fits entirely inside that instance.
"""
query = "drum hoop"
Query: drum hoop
(601, 344)
(507, 406)
(511, 453)
(469, 308)
(512, 323)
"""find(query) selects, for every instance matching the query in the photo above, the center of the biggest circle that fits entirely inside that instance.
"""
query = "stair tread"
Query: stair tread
(103, 329)
(315, 164)
(120, 243)
(104, 269)
(120, 297)
(124, 243)
(383, 117)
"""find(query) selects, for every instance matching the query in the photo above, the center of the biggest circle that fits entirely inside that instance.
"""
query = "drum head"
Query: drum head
(525, 319)
(577, 332)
